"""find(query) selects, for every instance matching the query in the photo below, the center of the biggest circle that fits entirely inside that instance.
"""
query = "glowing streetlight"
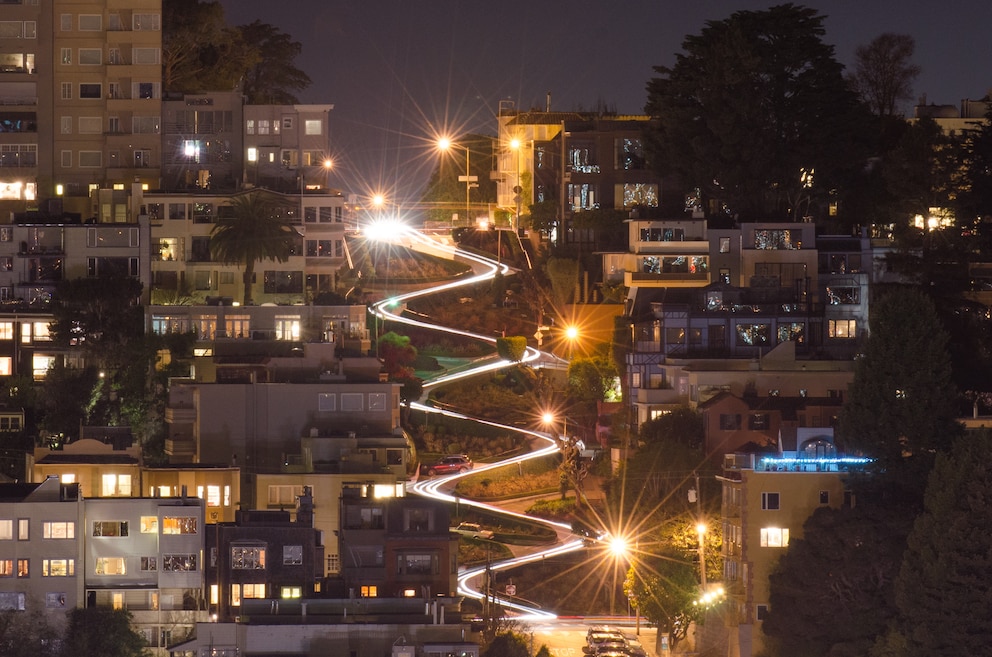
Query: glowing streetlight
(549, 420)
(445, 144)
(619, 547)
(701, 533)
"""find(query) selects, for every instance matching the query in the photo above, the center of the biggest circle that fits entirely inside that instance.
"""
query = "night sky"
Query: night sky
(399, 72)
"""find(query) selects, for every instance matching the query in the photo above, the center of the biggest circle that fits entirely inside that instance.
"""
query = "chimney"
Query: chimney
(548, 108)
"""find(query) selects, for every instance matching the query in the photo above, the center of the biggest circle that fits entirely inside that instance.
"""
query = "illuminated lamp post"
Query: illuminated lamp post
(445, 144)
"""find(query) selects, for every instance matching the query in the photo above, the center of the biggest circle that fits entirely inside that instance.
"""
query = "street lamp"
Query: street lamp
(445, 144)
(701, 533)
(515, 145)
(549, 420)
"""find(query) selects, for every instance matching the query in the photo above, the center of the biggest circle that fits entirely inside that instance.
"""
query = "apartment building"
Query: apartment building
(26, 84)
(106, 106)
(146, 555)
(766, 500)
(41, 547)
(264, 555)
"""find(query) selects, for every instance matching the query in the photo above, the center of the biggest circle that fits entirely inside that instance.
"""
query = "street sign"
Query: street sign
(468, 178)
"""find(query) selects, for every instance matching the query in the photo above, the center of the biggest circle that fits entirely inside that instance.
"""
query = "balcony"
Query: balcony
(655, 396)
(180, 447)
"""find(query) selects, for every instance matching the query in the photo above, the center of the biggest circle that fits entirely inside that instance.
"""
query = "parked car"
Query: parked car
(448, 465)
(472, 530)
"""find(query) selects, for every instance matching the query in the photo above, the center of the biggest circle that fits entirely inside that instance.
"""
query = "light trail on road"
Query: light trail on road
(486, 269)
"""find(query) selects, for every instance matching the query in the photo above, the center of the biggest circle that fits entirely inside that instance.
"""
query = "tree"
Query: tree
(512, 348)
(397, 355)
(884, 72)
(975, 195)
(507, 644)
(902, 401)
(271, 77)
(102, 632)
(199, 51)
(663, 586)
(28, 633)
(100, 315)
(832, 591)
(252, 232)
(444, 189)
(754, 107)
(943, 592)
(682, 425)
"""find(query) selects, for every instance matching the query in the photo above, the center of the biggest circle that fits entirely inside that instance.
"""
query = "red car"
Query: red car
(448, 465)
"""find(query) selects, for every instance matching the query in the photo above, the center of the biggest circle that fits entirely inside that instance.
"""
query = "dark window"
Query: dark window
(824, 497)
(730, 422)
(90, 91)
(769, 501)
(762, 612)
(283, 282)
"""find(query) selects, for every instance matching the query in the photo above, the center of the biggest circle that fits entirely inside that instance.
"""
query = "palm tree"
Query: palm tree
(253, 231)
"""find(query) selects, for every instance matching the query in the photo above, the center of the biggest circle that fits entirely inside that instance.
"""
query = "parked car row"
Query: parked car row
(608, 641)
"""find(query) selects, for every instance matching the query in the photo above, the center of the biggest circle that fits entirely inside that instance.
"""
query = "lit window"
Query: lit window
(179, 525)
(775, 537)
(23, 529)
(214, 594)
(312, 127)
(67, 478)
(111, 566)
(115, 485)
(6, 530)
(6, 567)
(235, 595)
(254, 591)
(213, 495)
(370, 591)
(110, 528)
(844, 329)
(23, 567)
(247, 558)
(288, 592)
(58, 567)
(227, 496)
(58, 530)
(6, 330)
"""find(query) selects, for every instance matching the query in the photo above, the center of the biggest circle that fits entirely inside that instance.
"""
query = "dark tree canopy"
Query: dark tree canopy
(272, 78)
(832, 591)
(902, 402)
(102, 632)
(754, 102)
(884, 72)
(99, 314)
(200, 52)
(944, 592)
(683, 426)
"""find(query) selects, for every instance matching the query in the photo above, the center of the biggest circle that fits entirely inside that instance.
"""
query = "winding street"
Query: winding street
(438, 488)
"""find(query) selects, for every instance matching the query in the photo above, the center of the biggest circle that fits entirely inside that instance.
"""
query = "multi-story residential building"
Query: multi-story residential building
(396, 547)
(106, 104)
(97, 468)
(329, 484)
(146, 555)
(41, 547)
(287, 147)
(26, 86)
(766, 500)
(183, 265)
(202, 143)
(581, 160)
(264, 555)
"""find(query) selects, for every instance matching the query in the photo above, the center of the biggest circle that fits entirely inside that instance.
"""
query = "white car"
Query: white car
(472, 530)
